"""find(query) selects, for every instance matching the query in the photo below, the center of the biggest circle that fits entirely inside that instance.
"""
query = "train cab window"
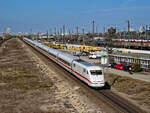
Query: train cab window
(96, 72)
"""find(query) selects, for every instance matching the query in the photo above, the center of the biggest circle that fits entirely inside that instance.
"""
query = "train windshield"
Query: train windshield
(96, 72)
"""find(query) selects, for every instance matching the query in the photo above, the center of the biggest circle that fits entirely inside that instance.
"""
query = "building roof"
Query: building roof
(134, 56)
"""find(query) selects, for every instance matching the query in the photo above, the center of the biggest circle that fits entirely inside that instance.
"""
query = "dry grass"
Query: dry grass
(22, 87)
(136, 89)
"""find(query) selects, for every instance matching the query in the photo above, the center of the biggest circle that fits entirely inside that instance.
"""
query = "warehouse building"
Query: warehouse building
(143, 60)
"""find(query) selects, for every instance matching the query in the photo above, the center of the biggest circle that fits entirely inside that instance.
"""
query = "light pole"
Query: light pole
(83, 38)
(129, 33)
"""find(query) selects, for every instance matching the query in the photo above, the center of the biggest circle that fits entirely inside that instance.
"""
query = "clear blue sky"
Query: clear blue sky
(40, 15)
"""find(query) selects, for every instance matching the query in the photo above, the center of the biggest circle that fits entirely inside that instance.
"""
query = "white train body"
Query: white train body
(89, 73)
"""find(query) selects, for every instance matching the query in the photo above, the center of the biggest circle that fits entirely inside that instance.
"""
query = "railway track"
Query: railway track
(117, 103)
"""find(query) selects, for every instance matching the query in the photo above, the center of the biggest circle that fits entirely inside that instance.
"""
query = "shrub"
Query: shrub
(137, 68)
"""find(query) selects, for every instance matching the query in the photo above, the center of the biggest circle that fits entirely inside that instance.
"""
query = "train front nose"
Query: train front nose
(97, 78)
(98, 81)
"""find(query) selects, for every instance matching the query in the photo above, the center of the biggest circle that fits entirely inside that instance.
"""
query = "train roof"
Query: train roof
(87, 64)
(134, 56)
(67, 57)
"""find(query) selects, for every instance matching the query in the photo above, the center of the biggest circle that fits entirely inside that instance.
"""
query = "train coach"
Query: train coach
(88, 73)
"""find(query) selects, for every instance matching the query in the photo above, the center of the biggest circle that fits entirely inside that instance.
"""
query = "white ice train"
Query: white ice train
(88, 73)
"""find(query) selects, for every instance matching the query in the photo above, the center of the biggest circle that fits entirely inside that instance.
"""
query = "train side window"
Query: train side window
(87, 72)
(84, 70)
(74, 65)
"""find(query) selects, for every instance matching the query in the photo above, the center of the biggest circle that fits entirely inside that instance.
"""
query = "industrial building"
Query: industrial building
(143, 60)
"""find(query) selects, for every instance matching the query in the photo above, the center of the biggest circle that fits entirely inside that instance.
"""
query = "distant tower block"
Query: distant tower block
(7, 30)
